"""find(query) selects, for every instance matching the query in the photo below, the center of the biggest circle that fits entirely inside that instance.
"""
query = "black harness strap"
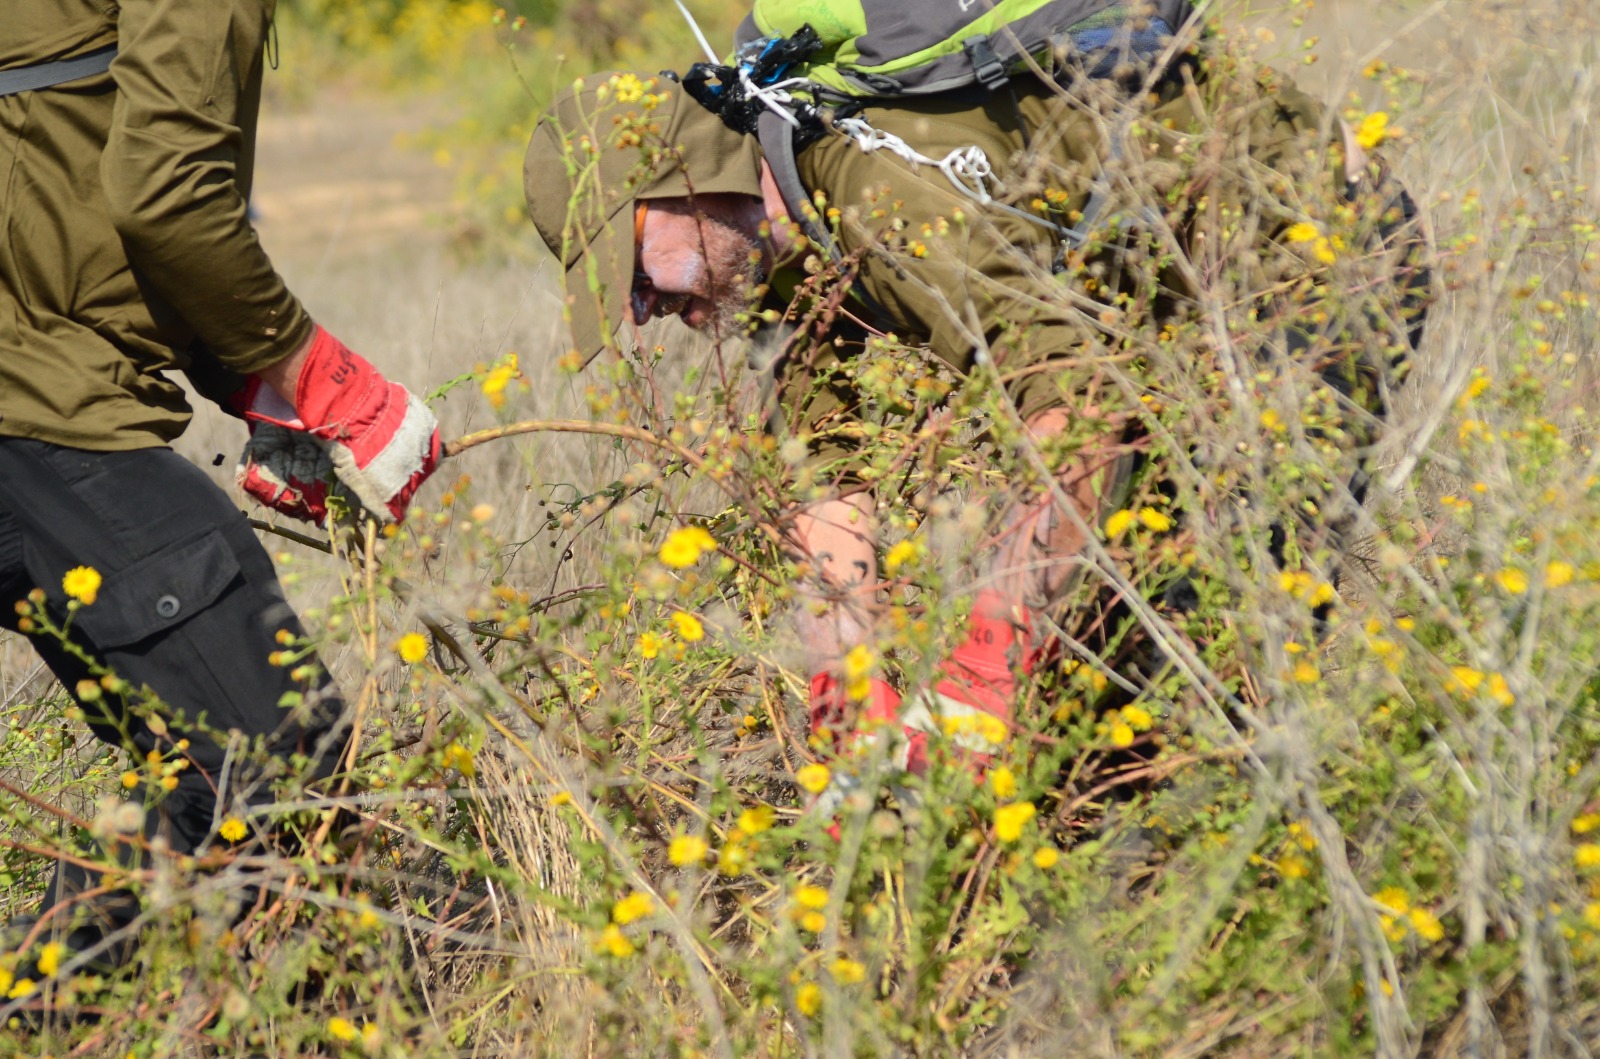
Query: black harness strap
(777, 146)
(48, 75)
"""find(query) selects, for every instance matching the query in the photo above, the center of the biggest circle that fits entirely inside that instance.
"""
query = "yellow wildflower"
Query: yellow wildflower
(636, 905)
(903, 552)
(1500, 691)
(809, 896)
(1304, 232)
(1559, 574)
(1394, 899)
(1514, 581)
(1003, 782)
(1293, 866)
(1464, 680)
(1138, 718)
(24, 987)
(495, 382)
(1591, 914)
(50, 958)
(813, 778)
(1394, 929)
(233, 829)
(342, 1029)
(1046, 857)
(1154, 520)
(755, 820)
(1010, 819)
(1582, 825)
(130, 780)
(458, 757)
(614, 942)
(687, 626)
(627, 88)
(1373, 130)
(649, 645)
(846, 971)
(1306, 673)
(683, 547)
(1119, 523)
(412, 648)
(808, 998)
(733, 858)
(82, 583)
(685, 850)
(1426, 924)
(1586, 855)
(813, 922)
(1122, 734)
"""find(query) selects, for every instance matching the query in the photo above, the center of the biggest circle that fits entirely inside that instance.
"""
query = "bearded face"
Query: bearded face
(698, 260)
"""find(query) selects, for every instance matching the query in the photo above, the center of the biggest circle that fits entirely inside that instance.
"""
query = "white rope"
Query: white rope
(776, 97)
(705, 45)
(967, 168)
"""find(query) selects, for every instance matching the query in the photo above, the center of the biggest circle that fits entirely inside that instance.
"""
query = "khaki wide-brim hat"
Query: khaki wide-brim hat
(606, 143)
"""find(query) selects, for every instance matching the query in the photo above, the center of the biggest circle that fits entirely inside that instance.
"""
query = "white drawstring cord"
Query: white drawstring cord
(695, 26)
(967, 168)
(776, 96)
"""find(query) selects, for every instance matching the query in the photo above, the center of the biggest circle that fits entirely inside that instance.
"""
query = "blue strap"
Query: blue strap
(47, 75)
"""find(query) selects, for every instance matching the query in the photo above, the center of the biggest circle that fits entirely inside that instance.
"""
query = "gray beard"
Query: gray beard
(728, 264)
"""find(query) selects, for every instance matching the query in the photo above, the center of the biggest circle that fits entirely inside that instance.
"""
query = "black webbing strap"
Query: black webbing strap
(47, 75)
(777, 146)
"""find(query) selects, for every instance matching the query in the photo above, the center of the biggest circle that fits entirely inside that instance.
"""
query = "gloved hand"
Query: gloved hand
(381, 440)
(286, 470)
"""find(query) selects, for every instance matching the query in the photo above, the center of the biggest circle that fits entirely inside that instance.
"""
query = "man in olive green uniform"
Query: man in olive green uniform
(686, 215)
(127, 136)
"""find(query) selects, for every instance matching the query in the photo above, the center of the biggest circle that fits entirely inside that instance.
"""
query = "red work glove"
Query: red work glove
(381, 440)
(282, 466)
(286, 470)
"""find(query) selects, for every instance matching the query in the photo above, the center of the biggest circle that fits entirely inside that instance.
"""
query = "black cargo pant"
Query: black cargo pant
(189, 608)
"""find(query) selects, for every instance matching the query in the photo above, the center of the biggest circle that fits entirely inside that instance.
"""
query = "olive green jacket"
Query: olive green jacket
(125, 249)
(963, 278)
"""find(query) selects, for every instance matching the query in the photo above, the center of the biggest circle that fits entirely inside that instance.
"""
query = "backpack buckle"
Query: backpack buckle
(986, 65)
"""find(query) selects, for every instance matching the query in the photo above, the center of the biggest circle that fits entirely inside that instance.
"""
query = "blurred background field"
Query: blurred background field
(1393, 856)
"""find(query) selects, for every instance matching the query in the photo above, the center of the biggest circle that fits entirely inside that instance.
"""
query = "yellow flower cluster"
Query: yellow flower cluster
(498, 378)
(1465, 682)
(1009, 820)
(684, 546)
(1301, 585)
(637, 905)
(1153, 519)
(903, 553)
(985, 726)
(1323, 248)
(458, 757)
(685, 850)
(858, 665)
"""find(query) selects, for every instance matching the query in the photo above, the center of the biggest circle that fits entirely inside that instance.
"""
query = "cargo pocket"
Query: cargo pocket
(159, 591)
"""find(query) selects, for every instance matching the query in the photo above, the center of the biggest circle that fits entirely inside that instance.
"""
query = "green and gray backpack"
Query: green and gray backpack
(796, 59)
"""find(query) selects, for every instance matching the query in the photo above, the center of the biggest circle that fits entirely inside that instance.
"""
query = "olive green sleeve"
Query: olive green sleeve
(176, 173)
(942, 269)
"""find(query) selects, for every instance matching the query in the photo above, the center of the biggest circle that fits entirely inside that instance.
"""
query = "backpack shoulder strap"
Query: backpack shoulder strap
(777, 146)
(47, 75)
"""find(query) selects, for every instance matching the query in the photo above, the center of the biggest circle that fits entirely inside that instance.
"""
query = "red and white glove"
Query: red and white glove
(286, 470)
(380, 440)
